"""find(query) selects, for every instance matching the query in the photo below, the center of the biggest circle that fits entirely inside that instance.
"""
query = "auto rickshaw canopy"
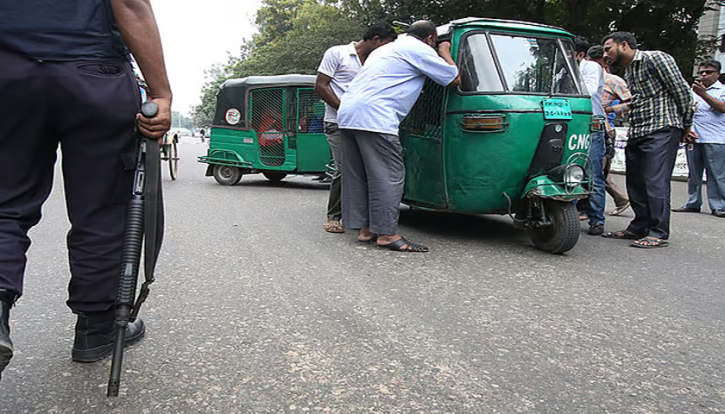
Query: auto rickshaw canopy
(234, 94)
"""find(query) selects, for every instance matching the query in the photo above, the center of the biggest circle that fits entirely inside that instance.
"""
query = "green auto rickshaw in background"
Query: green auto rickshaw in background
(267, 124)
(512, 138)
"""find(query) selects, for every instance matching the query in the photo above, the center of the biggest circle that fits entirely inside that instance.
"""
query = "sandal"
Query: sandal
(402, 245)
(622, 235)
(619, 210)
(333, 226)
(650, 242)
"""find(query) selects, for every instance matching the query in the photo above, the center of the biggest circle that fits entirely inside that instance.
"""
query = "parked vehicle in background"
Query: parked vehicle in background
(267, 124)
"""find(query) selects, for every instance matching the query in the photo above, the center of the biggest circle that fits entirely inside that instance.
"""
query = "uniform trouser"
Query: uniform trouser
(650, 160)
(710, 158)
(374, 176)
(88, 108)
(334, 202)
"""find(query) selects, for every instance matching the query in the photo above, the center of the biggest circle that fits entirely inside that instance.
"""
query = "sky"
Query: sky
(195, 35)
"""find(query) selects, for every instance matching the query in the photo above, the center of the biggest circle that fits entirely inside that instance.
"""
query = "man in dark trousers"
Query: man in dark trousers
(660, 115)
(65, 79)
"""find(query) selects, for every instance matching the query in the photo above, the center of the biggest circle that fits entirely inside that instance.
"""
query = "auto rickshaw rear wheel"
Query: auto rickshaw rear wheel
(227, 174)
(274, 176)
(562, 234)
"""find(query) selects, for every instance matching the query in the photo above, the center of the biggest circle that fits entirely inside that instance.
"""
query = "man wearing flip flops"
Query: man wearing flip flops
(379, 97)
(660, 116)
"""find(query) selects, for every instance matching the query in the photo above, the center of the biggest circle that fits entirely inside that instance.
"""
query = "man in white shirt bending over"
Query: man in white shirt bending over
(339, 66)
(378, 99)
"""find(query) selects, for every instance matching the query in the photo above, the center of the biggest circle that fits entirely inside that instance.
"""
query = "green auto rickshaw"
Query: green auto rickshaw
(267, 124)
(512, 138)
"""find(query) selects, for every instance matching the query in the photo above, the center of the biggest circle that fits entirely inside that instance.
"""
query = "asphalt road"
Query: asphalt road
(258, 310)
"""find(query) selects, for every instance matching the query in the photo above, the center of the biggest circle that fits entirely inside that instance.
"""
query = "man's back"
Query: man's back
(61, 30)
(386, 88)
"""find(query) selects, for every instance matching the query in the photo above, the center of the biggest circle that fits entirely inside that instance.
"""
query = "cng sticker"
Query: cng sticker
(580, 141)
(233, 116)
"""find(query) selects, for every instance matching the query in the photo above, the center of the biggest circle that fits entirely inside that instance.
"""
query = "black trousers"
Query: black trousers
(88, 108)
(650, 160)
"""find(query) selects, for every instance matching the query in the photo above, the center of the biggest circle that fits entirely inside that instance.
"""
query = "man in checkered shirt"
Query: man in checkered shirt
(660, 116)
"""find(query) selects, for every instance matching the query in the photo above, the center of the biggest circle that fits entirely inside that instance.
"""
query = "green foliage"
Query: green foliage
(294, 34)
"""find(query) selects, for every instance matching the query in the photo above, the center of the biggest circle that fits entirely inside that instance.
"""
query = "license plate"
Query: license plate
(555, 108)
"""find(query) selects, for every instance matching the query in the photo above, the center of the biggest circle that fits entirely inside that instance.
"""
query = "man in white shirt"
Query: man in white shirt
(378, 99)
(593, 76)
(706, 152)
(339, 66)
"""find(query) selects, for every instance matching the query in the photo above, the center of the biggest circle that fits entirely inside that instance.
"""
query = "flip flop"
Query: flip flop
(650, 242)
(619, 210)
(621, 235)
(402, 245)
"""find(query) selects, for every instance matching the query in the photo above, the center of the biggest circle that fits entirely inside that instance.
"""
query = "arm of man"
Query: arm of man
(444, 51)
(136, 21)
(325, 73)
(322, 89)
(715, 104)
(676, 86)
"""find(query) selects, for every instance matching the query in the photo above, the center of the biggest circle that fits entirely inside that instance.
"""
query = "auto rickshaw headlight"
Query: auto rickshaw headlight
(570, 175)
(484, 123)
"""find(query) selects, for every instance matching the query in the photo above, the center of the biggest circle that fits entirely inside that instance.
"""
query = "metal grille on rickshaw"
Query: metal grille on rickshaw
(426, 118)
(311, 112)
(267, 117)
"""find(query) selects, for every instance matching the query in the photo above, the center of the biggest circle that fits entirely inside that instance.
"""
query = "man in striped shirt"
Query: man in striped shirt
(660, 116)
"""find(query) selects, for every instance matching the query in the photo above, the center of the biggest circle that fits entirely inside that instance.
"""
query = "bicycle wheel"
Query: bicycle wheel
(173, 160)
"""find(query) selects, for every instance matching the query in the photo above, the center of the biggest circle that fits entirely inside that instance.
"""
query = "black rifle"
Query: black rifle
(144, 226)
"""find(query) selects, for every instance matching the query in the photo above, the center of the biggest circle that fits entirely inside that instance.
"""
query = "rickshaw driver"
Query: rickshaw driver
(380, 96)
(339, 66)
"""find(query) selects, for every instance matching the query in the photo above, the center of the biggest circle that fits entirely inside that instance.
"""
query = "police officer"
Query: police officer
(66, 80)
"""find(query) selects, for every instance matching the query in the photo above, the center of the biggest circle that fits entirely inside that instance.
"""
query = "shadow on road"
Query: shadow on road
(462, 226)
(298, 183)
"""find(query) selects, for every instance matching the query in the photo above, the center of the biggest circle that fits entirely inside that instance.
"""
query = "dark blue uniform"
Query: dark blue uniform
(65, 81)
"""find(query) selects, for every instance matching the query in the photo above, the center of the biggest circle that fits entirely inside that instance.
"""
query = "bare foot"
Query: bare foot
(365, 235)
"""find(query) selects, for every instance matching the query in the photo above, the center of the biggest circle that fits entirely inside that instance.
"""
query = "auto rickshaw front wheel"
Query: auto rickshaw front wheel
(227, 174)
(561, 232)
(274, 176)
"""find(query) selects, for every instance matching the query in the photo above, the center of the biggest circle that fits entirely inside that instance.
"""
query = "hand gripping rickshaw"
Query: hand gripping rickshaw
(512, 138)
(267, 124)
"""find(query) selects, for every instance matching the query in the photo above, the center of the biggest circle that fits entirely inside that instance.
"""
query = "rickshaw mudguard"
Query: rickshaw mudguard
(544, 187)
(226, 157)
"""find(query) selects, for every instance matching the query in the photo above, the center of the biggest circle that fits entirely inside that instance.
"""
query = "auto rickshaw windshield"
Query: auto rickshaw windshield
(537, 65)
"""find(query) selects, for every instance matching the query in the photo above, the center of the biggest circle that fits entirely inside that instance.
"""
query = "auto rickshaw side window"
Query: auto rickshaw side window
(310, 112)
(478, 69)
(426, 117)
(533, 65)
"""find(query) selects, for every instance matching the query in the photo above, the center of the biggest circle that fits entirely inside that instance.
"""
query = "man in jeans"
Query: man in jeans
(708, 152)
(660, 115)
(614, 99)
(339, 66)
(593, 76)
